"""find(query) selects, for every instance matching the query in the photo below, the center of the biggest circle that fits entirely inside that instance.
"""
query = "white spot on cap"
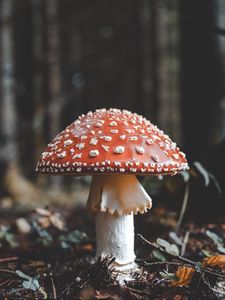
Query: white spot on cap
(94, 153)
(128, 130)
(44, 154)
(149, 141)
(113, 131)
(107, 138)
(106, 148)
(119, 149)
(80, 146)
(61, 155)
(113, 123)
(78, 155)
(155, 137)
(182, 154)
(133, 138)
(83, 137)
(93, 141)
(68, 142)
(122, 137)
(155, 157)
(98, 124)
(140, 149)
(175, 156)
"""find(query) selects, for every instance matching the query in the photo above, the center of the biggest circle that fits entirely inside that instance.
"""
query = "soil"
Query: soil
(47, 254)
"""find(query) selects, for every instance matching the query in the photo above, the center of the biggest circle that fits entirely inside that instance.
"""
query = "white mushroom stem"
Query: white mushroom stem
(115, 236)
(115, 198)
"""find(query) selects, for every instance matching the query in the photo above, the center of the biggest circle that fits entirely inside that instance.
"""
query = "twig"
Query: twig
(6, 259)
(183, 208)
(54, 294)
(188, 261)
(185, 241)
(138, 291)
(162, 250)
(166, 263)
(7, 271)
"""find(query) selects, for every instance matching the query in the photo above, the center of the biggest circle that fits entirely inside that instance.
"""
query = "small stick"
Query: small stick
(188, 261)
(7, 271)
(162, 250)
(183, 208)
(184, 245)
(54, 294)
(6, 259)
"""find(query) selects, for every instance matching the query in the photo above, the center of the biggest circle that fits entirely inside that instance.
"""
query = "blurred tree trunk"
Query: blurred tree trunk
(8, 118)
(203, 84)
(14, 182)
(169, 104)
(40, 138)
(160, 63)
(55, 97)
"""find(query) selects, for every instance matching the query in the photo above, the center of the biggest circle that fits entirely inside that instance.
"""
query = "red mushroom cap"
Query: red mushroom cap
(112, 141)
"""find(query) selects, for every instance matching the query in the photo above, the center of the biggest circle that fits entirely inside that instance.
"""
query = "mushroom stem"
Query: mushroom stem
(115, 236)
(115, 199)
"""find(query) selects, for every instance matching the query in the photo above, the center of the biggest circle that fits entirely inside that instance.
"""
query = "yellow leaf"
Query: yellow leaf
(184, 275)
(215, 260)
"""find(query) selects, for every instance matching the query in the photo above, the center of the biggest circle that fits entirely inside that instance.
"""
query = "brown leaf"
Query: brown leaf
(44, 222)
(57, 221)
(43, 212)
(87, 293)
(184, 275)
(180, 297)
(215, 260)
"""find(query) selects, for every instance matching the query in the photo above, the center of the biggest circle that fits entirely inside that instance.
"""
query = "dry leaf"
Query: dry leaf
(215, 260)
(44, 222)
(43, 212)
(57, 221)
(184, 275)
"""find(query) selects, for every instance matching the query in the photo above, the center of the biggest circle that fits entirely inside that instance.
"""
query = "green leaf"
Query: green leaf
(75, 237)
(221, 249)
(22, 275)
(176, 238)
(30, 283)
(216, 183)
(216, 239)
(203, 172)
(173, 250)
(158, 255)
(169, 248)
(186, 176)
(207, 253)
(162, 243)
(170, 276)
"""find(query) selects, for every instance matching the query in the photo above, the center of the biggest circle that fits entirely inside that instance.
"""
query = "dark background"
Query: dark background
(59, 59)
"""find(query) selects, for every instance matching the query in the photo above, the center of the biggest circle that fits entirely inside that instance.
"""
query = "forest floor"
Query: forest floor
(47, 254)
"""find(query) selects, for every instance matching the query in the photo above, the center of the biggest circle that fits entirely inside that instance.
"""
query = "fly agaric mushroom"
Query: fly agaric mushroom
(114, 146)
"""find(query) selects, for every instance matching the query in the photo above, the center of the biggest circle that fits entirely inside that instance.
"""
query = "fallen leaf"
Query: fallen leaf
(43, 212)
(216, 260)
(57, 221)
(183, 276)
(168, 275)
(158, 255)
(44, 222)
